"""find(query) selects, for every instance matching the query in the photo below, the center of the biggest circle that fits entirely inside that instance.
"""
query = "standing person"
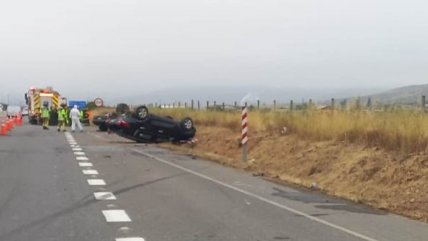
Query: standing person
(45, 115)
(62, 118)
(75, 119)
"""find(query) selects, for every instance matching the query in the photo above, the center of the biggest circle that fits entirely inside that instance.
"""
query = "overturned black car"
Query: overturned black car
(142, 126)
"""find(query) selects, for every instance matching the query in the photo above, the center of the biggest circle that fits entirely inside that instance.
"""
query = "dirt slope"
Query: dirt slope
(372, 176)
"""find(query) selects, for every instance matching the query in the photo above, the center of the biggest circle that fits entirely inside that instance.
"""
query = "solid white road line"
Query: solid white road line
(96, 182)
(130, 239)
(79, 153)
(90, 172)
(77, 149)
(82, 158)
(104, 196)
(85, 164)
(116, 216)
(282, 206)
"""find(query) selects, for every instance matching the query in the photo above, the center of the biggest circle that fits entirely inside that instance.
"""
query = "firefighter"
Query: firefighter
(81, 115)
(45, 115)
(62, 118)
(75, 119)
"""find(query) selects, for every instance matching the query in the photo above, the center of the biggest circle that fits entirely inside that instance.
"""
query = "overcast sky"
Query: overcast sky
(88, 48)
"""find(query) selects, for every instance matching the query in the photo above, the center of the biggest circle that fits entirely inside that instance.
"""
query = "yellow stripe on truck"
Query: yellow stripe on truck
(36, 101)
(55, 101)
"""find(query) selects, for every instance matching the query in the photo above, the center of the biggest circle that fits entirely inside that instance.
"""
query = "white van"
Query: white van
(13, 111)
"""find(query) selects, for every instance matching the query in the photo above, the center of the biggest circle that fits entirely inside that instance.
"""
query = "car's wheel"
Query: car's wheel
(187, 123)
(142, 112)
(122, 108)
(103, 128)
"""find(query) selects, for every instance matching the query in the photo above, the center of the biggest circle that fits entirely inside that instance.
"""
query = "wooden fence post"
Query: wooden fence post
(423, 102)
(193, 105)
(274, 104)
(208, 104)
(291, 105)
(223, 106)
(332, 103)
(199, 105)
(258, 104)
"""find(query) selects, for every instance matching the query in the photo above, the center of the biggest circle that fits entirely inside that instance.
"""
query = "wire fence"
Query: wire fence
(335, 104)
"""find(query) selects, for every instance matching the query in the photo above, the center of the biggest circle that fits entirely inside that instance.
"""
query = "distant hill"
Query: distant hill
(408, 95)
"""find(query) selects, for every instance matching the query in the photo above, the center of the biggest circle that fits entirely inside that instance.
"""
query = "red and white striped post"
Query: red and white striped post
(244, 134)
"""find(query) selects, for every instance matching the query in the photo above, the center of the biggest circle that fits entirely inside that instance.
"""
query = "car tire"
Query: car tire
(142, 112)
(103, 128)
(187, 123)
(122, 108)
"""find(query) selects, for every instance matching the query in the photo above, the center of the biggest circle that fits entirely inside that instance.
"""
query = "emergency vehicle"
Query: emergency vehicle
(36, 97)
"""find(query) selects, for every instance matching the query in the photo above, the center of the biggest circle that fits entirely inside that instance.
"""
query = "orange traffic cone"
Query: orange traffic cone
(3, 130)
(20, 120)
(10, 123)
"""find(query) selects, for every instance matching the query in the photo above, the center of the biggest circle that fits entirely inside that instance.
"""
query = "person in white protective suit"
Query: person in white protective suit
(75, 119)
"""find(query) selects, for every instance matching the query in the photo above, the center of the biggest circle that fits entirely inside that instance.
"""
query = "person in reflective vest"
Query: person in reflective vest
(81, 115)
(45, 115)
(62, 118)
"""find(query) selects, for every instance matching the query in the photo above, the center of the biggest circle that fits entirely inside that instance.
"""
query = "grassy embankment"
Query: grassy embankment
(377, 158)
(402, 131)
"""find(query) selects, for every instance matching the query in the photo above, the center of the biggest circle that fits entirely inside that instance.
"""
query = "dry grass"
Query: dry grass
(403, 131)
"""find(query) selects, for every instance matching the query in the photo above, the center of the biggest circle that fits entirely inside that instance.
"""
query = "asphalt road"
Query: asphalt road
(95, 186)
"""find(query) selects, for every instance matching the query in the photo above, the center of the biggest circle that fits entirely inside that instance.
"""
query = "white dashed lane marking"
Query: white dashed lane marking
(90, 172)
(96, 182)
(82, 158)
(130, 239)
(85, 164)
(116, 216)
(111, 216)
(104, 196)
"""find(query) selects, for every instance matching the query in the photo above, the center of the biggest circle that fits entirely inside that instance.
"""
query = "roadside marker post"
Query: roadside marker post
(244, 134)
